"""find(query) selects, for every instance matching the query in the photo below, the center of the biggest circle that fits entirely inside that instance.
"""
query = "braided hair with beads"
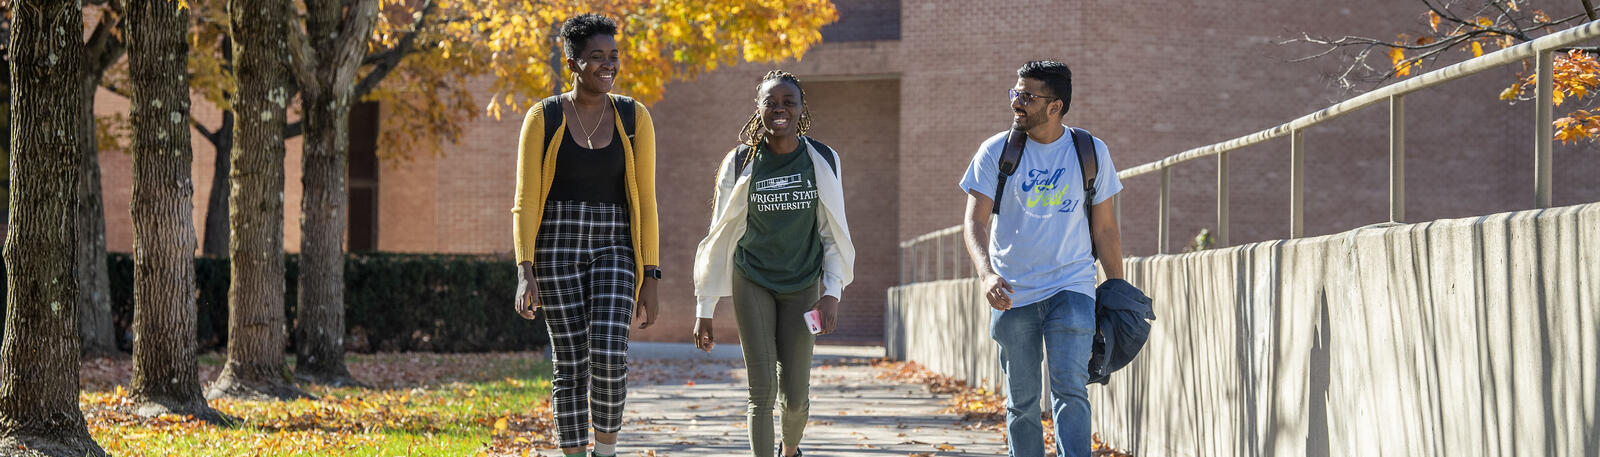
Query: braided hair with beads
(753, 133)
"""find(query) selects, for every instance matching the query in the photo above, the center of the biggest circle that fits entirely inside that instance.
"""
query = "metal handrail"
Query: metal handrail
(1542, 48)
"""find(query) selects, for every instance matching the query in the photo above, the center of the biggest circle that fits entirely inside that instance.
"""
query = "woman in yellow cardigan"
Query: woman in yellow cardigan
(586, 233)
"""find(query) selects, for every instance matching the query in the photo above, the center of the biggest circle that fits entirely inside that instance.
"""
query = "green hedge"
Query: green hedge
(393, 302)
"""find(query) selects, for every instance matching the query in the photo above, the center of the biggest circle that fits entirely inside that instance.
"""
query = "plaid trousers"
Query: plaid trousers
(584, 267)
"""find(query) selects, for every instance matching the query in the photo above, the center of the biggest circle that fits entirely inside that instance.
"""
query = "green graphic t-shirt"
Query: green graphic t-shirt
(781, 249)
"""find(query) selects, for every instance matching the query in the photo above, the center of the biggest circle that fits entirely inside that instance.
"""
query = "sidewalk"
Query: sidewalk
(684, 402)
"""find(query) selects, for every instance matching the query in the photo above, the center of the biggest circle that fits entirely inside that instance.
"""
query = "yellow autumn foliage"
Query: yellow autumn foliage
(507, 46)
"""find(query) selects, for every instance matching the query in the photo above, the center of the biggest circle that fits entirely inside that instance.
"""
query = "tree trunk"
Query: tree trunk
(319, 323)
(103, 48)
(166, 376)
(39, 355)
(256, 332)
(216, 243)
(94, 299)
(338, 32)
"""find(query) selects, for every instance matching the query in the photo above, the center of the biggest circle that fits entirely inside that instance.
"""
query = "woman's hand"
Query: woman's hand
(645, 307)
(527, 301)
(828, 307)
(702, 334)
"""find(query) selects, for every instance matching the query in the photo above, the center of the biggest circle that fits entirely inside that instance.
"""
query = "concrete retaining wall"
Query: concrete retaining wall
(1465, 337)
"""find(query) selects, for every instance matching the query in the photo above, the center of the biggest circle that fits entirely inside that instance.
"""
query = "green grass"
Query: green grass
(450, 417)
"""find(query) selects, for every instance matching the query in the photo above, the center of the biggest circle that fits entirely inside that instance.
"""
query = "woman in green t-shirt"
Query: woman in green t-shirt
(780, 246)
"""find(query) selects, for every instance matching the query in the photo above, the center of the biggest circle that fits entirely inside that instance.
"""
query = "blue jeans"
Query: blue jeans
(1063, 326)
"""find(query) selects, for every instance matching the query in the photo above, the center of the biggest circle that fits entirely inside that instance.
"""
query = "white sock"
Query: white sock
(605, 449)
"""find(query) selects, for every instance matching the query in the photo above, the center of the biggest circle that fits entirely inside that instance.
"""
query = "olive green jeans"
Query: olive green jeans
(777, 355)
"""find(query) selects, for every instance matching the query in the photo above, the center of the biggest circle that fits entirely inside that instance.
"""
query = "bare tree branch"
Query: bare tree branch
(115, 89)
(379, 56)
(302, 59)
(360, 15)
(1462, 30)
(407, 45)
(209, 135)
(1588, 10)
(105, 45)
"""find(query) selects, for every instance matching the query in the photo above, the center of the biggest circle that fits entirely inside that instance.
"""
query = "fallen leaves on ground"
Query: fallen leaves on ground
(414, 404)
(979, 408)
(418, 404)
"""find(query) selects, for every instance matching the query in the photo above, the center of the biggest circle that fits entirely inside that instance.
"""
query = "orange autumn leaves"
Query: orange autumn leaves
(1576, 73)
(1470, 34)
(417, 404)
(979, 407)
(464, 58)
(507, 46)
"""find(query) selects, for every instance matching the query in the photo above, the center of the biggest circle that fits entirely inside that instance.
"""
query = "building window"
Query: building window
(362, 232)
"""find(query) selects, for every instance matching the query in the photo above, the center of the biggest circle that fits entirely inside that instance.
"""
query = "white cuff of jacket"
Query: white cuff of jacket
(706, 307)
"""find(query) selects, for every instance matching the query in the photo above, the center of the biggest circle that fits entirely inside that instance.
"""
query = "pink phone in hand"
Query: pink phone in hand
(814, 321)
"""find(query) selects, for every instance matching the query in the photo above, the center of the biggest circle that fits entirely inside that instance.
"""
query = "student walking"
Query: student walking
(1034, 239)
(586, 233)
(777, 230)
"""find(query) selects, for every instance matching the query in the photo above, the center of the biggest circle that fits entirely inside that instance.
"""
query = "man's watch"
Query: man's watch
(653, 273)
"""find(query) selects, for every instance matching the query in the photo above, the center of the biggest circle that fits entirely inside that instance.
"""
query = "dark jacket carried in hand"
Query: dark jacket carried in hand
(1120, 327)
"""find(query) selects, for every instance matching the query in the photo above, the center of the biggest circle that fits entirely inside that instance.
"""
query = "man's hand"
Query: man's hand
(828, 308)
(997, 291)
(645, 307)
(702, 334)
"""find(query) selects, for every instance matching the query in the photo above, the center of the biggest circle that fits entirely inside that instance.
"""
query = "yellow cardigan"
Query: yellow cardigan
(533, 166)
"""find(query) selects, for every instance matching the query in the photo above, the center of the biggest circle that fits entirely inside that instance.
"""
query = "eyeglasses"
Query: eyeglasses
(1027, 98)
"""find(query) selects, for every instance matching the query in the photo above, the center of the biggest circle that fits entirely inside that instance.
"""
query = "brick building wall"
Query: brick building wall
(116, 178)
(1152, 78)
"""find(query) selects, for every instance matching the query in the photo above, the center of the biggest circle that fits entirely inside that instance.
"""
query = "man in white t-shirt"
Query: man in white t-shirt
(1036, 260)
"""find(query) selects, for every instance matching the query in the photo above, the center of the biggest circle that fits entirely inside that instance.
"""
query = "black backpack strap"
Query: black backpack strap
(1083, 142)
(552, 118)
(626, 108)
(1010, 157)
(827, 154)
(741, 155)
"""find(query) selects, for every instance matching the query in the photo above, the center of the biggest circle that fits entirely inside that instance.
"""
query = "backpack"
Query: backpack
(552, 115)
(1121, 310)
(742, 153)
(1082, 141)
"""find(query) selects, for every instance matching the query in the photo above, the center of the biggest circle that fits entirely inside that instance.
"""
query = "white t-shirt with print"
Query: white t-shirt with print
(1040, 240)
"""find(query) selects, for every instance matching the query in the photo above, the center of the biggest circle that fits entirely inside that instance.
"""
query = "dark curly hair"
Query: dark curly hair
(575, 32)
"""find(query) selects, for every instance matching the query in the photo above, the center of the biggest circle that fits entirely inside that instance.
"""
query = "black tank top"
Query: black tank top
(590, 175)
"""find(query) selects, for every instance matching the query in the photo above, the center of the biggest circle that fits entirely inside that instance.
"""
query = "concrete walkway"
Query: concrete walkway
(684, 402)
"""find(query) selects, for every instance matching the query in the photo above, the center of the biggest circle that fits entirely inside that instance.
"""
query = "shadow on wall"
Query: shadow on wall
(1467, 337)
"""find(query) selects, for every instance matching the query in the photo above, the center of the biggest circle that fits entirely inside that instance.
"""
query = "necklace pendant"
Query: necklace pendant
(589, 142)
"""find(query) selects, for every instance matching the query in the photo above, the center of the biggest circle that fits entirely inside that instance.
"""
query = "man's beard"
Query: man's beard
(1027, 122)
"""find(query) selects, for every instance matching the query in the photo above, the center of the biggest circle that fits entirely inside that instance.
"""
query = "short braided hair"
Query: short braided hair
(753, 135)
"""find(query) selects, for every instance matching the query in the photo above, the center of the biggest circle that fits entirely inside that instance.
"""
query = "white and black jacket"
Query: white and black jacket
(713, 259)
